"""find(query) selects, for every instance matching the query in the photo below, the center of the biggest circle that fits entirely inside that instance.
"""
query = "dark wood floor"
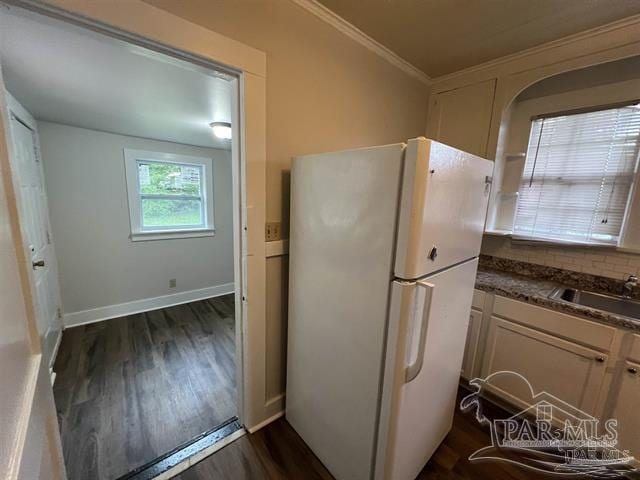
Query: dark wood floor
(277, 452)
(130, 389)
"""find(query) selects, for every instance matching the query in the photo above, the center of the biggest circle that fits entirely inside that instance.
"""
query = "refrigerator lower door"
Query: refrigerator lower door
(445, 193)
(422, 368)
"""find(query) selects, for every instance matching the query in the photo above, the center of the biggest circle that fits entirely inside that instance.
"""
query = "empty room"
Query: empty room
(125, 168)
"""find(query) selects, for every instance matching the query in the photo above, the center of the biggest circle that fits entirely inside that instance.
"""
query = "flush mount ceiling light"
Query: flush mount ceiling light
(221, 129)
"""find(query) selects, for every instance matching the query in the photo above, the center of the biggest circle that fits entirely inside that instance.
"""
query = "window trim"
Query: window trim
(134, 197)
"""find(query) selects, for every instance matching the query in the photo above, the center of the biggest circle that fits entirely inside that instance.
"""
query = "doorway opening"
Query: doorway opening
(129, 201)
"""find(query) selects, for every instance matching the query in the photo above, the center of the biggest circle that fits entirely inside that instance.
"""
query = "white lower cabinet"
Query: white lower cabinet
(625, 408)
(590, 365)
(569, 371)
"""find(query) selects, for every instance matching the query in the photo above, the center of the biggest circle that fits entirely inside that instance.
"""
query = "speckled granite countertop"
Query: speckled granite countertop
(536, 290)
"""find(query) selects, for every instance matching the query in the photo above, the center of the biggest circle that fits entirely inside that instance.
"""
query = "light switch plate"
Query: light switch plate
(272, 232)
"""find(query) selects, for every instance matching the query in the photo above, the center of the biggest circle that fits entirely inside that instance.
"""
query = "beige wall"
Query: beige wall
(324, 92)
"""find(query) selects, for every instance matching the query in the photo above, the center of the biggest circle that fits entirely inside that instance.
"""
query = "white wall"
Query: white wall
(99, 265)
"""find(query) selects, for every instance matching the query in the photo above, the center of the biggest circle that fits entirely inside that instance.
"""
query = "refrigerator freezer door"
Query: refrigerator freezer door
(417, 406)
(343, 224)
(443, 208)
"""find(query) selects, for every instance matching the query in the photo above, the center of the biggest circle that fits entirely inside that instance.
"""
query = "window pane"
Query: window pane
(169, 178)
(171, 213)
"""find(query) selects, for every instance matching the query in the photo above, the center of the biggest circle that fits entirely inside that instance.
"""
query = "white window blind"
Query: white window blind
(578, 174)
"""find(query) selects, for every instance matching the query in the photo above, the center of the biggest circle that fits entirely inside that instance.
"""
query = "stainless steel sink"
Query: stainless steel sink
(608, 303)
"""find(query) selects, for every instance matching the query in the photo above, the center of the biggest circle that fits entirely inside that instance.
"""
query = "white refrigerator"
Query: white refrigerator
(382, 260)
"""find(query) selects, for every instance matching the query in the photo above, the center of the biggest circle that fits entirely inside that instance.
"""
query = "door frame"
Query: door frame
(147, 26)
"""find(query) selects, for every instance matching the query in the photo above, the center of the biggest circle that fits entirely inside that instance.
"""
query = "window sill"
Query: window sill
(543, 241)
(171, 234)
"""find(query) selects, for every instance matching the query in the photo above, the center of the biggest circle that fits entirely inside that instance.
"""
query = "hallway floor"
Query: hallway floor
(131, 389)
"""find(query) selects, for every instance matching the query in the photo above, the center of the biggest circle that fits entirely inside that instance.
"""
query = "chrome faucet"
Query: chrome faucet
(629, 285)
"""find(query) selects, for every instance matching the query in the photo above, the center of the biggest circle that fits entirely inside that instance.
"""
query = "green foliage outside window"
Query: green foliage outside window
(166, 181)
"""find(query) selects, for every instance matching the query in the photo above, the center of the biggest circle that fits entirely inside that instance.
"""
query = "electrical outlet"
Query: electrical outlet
(172, 283)
(272, 232)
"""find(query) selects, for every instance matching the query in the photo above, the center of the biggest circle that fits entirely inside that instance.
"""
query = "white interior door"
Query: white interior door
(34, 219)
(30, 436)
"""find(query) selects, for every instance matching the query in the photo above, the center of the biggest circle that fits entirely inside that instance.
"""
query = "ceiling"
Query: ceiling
(443, 36)
(61, 73)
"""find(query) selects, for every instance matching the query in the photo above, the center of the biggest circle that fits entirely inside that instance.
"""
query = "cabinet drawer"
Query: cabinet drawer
(634, 354)
(478, 299)
(574, 328)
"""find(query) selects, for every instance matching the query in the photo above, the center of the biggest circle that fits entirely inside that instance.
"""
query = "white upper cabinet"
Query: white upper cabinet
(462, 117)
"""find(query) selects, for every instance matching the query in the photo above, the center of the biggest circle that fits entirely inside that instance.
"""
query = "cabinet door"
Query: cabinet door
(561, 368)
(625, 409)
(471, 348)
(462, 117)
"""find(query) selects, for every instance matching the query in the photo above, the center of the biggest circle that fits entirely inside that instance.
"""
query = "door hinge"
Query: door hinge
(59, 312)
(48, 238)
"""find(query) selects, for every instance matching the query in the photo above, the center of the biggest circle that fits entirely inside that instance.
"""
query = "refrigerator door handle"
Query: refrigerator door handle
(413, 370)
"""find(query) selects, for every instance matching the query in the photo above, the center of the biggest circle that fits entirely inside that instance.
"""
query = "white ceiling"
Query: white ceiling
(64, 74)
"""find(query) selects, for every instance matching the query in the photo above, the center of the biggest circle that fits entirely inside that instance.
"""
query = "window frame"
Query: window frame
(132, 157)
(630, 201)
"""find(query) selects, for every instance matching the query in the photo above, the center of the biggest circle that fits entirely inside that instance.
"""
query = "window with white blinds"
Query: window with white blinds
(578, 174)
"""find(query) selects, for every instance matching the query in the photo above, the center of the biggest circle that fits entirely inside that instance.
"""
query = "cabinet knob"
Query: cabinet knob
(600, 359)
(632, 370)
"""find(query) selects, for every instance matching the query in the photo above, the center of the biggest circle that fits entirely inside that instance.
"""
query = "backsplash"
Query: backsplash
(543, 273)
(591, 260)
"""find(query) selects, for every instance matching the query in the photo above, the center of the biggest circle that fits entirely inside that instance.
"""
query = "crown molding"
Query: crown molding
(353, 32)
(632, 21)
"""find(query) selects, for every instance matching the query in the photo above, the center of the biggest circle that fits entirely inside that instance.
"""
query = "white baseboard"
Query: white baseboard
(277, 402)
(83, 317)
(266, 422)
